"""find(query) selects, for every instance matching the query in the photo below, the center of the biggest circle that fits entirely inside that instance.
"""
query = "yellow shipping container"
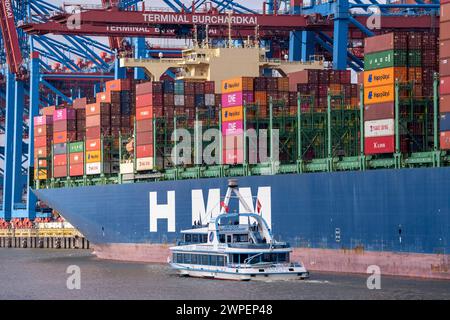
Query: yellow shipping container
(385, 76)
(379, 94)
(232, 114)
(41, 175)
(237, 84)
(93, 156)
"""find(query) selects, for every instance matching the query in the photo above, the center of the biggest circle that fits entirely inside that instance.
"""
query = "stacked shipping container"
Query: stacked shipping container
(64, 131)
(234, 93)
(444, 70)
(409, 57)
(43, 136)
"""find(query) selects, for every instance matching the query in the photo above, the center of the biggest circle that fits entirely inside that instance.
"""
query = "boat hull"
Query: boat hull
(354, 218)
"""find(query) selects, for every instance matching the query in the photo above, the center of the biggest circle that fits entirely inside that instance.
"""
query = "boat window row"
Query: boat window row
(233, 238)
(195, 238)
(202, 259)
(282, 257)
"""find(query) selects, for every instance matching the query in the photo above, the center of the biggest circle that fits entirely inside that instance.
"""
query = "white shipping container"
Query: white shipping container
(379, 128)
(126, 168)
(210, 99)
(179, 100)
(144, 163)
(93, 168)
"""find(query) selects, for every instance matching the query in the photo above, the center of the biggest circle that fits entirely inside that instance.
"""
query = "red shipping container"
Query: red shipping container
(98, 108)
(144, 151)
(79, 103)
(60, 171)
(444, 103)
(149, 100)
(103, 97)
(76, 158)
(118, 85)
(144, 138)
(59, 160)
(444, 87)
(43, 120)
(41, 151)
(43, 130)
(387, 41)
(377, 145)
(144, 125)
(64, 125)
(93, 145)
(444, 49)
(379, 111)
(98, 120)
(76, 170)
(209, 87)
(93, 133)
(444, 14)
(144, 113)
(445, 140)
(64, 136)
(148, 87)
(43, 141)
(444, 66)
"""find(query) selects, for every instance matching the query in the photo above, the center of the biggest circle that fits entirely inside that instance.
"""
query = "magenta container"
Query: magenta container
(232, 127)
(232, 99)
(43, 120)
(64, 114)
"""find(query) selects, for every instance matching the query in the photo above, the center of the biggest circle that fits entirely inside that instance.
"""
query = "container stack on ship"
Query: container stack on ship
(346, 159)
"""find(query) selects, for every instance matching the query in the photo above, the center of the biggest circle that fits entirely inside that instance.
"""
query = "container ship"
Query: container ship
(354, 174)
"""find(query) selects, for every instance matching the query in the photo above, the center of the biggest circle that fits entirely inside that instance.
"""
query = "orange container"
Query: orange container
(379, 94)
(104, 97)
(385, 76)
(117, 85)
(232, 114)
(93, 144)
(237, 84)
(261, 98)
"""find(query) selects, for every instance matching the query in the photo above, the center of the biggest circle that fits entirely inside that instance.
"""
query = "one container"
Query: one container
(233, 156)
(379, 94)
(445, 140)
(144, 138)
(144, 164)
(59, 148)
(64, 114)
(237, 84)
(43, 120)
(60, 171)
(379, 111)
(76, 170)
(144, 151)
(385, 76)
(76, 147)
(232, 99)
(232, 127)
(385, 59)
(379, 128)
(104, 97)
(60, 160)
(444, 49)
(144, 113)
(232, 114)
(43, 130)
(444, 123)
(444, 87)
(444, 103)
(144, 125)
(444, 66)
(76, 158)
(93, 156)
(378, 145)
(64, 136)
(387, 41)
(93, 168)
(93, 144)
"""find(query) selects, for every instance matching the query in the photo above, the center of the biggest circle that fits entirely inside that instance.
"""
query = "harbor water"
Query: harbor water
(43, 274)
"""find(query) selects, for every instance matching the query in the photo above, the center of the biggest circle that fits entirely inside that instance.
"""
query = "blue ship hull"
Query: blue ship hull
(405, 210)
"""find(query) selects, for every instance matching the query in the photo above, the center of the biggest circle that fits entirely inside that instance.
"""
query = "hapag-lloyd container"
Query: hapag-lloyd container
(232, 127)
(378, 145)
(379, 111)
(445, 140)
(93, 156)
(385, 76)
(379, 128)
(64, 114)
(144, 164)
(379, 94)
(237, 84)
(232, 113)
(43, 120)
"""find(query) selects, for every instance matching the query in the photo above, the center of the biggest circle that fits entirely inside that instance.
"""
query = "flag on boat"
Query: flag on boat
(223, 205)
(258, 206)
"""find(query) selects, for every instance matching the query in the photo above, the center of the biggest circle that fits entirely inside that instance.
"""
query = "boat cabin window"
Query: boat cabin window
(195, 238)
(266, 257)
(200, 259)
(222, 238)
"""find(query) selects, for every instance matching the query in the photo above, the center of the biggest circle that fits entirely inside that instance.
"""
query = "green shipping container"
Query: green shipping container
(76, 147)
(386, 59)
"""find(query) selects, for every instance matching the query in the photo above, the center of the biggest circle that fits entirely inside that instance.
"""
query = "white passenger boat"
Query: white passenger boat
(227, 249)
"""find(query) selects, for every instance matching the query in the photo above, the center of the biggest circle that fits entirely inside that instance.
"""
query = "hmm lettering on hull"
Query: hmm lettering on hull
(204, 211)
